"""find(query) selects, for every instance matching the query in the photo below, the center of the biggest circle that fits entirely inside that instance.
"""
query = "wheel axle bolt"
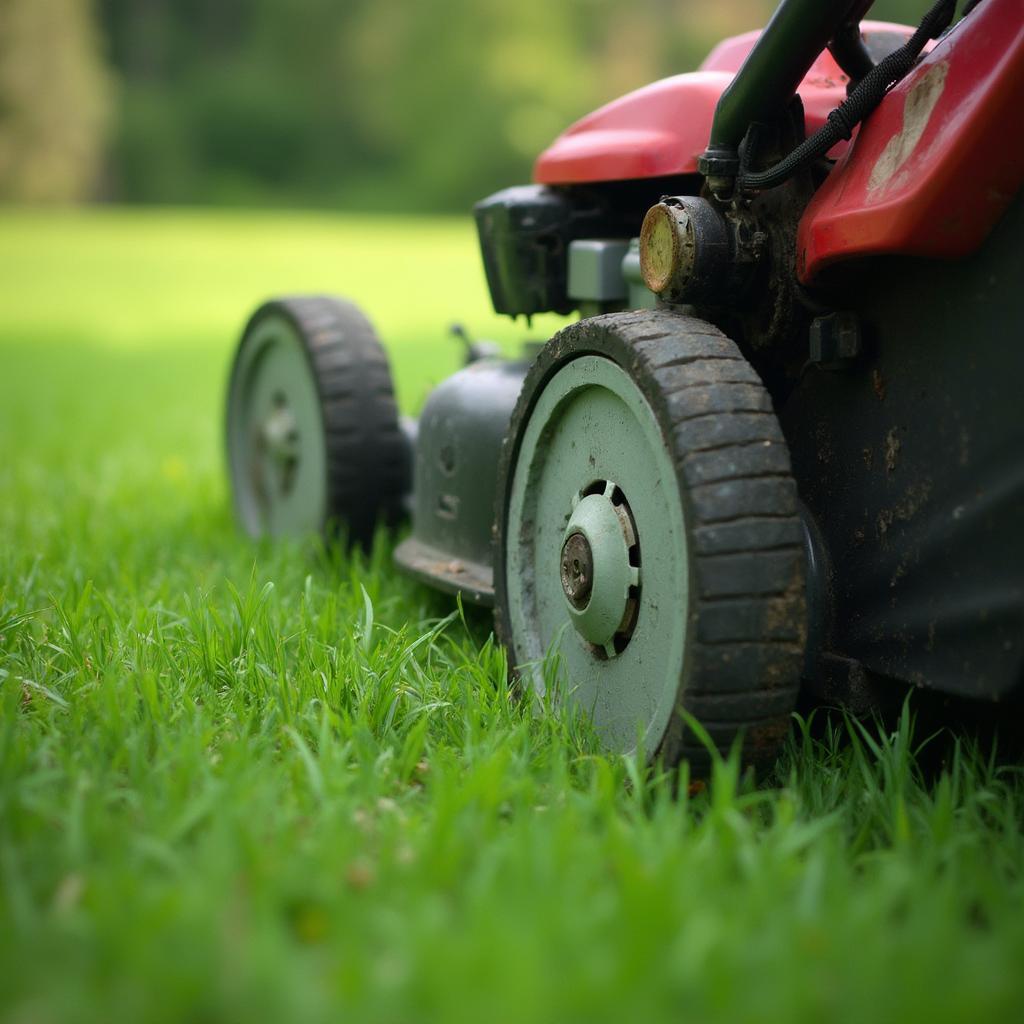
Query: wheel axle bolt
(577, 570)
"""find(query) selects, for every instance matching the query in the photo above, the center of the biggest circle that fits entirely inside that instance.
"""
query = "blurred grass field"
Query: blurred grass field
(242, 781)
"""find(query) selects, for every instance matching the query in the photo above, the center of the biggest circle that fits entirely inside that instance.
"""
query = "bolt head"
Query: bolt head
(835, 339)
(577, 570)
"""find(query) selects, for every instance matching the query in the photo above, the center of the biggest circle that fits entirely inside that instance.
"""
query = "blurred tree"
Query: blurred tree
(392, 103)
(54, 100)
(370, 104)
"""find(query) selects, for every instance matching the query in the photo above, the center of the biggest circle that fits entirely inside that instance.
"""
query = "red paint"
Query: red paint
(662, 129)
(940, 195)
(658, 130)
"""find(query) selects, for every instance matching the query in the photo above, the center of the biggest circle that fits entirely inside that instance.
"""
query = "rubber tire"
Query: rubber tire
(369, 463)
(747, 603)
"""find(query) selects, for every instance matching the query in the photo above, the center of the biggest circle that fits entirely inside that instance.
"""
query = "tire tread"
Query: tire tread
(746, 614)
(368, 458)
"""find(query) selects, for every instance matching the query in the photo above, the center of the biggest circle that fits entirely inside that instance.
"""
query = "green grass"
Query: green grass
(267, 783)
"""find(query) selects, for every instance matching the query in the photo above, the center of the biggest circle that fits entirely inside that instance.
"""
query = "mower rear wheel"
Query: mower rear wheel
(648, 535)
(313, 434)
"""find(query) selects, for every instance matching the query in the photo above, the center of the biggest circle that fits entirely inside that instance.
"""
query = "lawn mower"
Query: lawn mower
(780, 453)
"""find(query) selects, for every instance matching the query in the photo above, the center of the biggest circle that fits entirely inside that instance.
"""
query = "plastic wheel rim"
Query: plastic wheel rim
(276, 447)
(590, 423)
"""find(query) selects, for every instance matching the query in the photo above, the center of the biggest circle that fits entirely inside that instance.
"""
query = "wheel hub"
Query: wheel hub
(278, 442)
(577, 570)
(276, 437)
(600, 568)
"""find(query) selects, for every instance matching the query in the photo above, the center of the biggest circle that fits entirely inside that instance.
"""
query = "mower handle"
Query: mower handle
(791, 41)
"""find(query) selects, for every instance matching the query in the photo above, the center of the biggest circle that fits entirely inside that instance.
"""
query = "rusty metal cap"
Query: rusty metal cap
(684, 249)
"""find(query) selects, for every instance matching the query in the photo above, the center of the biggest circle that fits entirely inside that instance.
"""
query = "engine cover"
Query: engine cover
(661, 129)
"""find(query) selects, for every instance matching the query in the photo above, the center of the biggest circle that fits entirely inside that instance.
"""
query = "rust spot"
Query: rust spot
(878, 385)
(906, 509)
(892, 449)
(916, 496)
(921, 100)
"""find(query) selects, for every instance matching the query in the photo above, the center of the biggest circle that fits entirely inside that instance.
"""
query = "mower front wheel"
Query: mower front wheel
(313, 434)
(648, 536)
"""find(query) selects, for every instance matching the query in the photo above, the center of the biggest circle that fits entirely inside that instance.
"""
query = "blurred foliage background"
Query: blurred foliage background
(354, 104)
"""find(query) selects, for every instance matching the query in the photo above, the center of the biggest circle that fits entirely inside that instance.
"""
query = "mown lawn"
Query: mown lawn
(245, 782)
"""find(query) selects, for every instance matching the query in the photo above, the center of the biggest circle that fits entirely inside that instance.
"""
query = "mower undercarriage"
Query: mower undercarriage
(908, 457)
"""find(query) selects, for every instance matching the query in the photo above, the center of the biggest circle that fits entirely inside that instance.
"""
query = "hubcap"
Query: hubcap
(278, 444)
(275, 433)
(600, 568)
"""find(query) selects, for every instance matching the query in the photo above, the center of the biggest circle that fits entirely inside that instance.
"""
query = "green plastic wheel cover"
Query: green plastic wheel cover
(591, 423)
(596, 518)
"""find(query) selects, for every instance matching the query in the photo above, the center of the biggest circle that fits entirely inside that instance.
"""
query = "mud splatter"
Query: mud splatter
(892, 450)
(917, 110)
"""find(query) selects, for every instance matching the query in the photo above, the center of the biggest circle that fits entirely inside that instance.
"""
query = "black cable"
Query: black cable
(868, 93)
